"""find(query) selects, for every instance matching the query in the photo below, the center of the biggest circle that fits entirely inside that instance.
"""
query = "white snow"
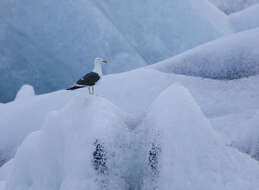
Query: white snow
(2, 185)
(231, 57)
(65, 145)
(171, 125)
(246, 19)
(21, 117)
(133, 92)
(247, 139)
(5, 170)
(25, 92)
(5, 173)
(192, 155)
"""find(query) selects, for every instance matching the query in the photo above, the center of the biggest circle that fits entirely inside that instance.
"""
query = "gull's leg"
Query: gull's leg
(89, 89)
(93, 90)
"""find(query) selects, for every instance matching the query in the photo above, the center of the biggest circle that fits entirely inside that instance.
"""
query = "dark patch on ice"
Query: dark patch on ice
(99, 158)
(2, 161)
(153, 158)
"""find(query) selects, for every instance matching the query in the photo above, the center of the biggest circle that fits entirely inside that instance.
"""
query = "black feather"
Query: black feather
(89, 79)
(75, 87)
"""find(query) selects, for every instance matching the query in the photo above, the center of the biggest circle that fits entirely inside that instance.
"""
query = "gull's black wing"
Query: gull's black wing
(89, 79)
(75, 87)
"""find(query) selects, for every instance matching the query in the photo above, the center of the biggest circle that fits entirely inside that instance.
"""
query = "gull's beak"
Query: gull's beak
(104, 61)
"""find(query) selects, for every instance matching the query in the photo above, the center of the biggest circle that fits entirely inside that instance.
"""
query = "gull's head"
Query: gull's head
(100, 61)
(98, 65)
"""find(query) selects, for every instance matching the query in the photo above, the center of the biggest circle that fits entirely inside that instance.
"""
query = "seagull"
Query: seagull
(90, 79)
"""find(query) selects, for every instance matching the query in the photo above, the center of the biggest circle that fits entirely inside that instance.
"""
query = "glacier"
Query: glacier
(189, 121)
(58, 40)
(58, 46)
(161, 33)
(231, 57)
(192, 155)
(65, 144)
(220, 101)
(246, 19)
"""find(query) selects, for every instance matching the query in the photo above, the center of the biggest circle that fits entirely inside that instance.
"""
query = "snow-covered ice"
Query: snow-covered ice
(231, 57)
(5, 173)
(247, 139)
(219, 100)
(64, 148)
(121, 89)
(193, 156)
(58, 40)
(26, 92)
(171, 125)
(21, 117)
(231, 6)
(2, 185)
(246, 19)
(53, 129)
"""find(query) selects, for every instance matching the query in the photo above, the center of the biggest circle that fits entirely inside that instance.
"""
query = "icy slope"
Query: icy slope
(57, 41)
(231, 57)
(21, 117)
(26, 92)
(192, 156)
(24, 115)
(159, 31)
(5, 173)
(61, 154)
(231, 6)
(246, 19)
(227, 104)
(248, 139)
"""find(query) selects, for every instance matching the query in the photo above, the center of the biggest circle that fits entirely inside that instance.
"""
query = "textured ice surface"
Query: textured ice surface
(175, 145)
(231, 57)
(159, 30)
(231, 6)
(247, 140)
(246, 19)
(226, 103)
(21, 117)
(192, 155)
(60, 155)
(50, 44)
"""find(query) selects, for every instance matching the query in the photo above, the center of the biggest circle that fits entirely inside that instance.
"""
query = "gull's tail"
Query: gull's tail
(75, 87)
